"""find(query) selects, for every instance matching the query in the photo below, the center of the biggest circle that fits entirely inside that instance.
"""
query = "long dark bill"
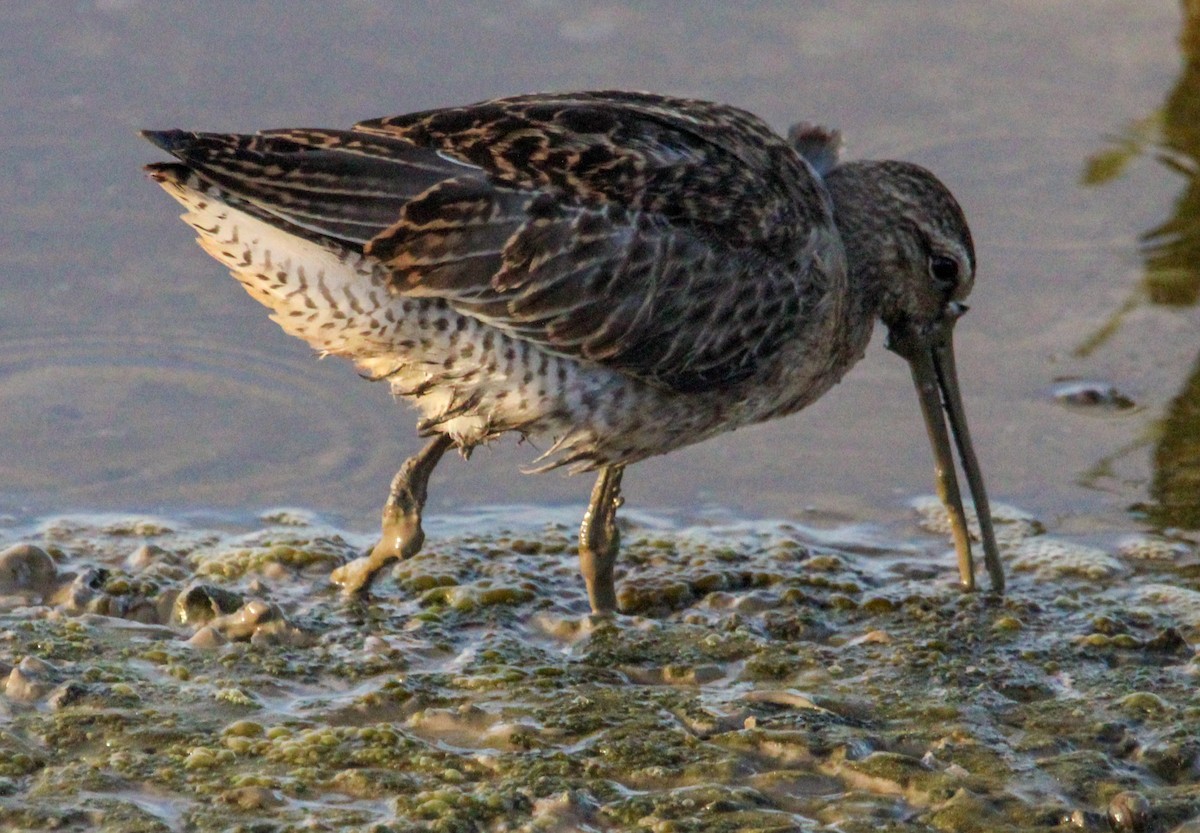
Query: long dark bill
(931, 359)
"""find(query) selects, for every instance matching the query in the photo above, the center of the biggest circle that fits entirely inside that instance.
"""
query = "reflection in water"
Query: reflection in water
(1171, 255)
(1176, 484)
(91, 425)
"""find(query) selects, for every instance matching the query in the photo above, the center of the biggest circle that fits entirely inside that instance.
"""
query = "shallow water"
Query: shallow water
(136, 375)
(795, 655)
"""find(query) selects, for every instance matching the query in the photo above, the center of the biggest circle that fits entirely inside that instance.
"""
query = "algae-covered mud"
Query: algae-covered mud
(160, 676)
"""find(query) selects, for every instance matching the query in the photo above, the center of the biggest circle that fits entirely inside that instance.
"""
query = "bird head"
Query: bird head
(910, 252)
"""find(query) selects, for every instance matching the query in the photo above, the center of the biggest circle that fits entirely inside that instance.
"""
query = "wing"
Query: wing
(709, 167)
(661, 237)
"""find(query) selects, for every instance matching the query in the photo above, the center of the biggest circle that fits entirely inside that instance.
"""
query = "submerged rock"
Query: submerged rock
(30, 680)
(202, 603)
(26, 570)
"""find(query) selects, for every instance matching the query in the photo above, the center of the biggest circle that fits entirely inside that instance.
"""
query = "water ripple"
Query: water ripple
(115, 420)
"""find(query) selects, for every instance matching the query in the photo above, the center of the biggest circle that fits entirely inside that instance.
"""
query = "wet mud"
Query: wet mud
(156, 675)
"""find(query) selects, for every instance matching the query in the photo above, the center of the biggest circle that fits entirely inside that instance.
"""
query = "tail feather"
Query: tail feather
(337, 184)
(330, 295)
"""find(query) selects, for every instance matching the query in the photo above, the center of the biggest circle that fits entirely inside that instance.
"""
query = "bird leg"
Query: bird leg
(600, 540)
(402, 534)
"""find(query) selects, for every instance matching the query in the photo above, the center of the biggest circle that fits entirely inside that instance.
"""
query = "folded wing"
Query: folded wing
(663, 238)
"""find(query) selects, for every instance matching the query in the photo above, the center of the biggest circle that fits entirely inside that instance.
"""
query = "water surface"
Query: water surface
(816, 669)
(136, 375)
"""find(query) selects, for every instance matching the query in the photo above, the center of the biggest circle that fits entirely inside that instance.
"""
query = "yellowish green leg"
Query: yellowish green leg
(600, 540)
(402, 534)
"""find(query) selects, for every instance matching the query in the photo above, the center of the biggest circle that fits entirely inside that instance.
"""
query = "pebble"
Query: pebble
(784, 697)
(67, 694)
(26, 569)
(1144, 703)
(1090, 394)
(1050, 559)
(202, 603)
(261, 624)
(207, 638)
(1180, 602)
(76, 595)
(1129, 812)
(1150, 548)
(147, 556)
(30, 680)
(252, 798)
(1012, 525)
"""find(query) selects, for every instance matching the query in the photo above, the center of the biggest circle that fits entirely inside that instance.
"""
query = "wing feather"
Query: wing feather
(661, 237)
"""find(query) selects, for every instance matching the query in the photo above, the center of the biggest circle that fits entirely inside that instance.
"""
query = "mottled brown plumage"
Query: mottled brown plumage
(624, 273)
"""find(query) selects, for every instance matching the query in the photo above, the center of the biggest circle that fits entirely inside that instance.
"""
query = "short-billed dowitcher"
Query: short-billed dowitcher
(619, 273)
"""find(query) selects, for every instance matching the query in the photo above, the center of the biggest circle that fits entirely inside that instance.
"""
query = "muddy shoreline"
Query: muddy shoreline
(159, 676)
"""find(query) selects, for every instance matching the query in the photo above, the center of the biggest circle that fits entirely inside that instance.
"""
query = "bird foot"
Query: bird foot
(402, 538)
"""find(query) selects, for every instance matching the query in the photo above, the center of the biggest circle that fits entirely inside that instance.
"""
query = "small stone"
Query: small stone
(202, 603)
(252, 798)
(200, 758)
(261, 624)
(1129, 812)
(29, 680)
(1148, 548)
(1050, 559)
(25, 568)
(840, 601)
(1007, 624)
(570, 810)
(1182, 603)
(1091, 395)
(1172, 761)
(235, 696)
(875, 637)
(207, 638)
(785, 697)
(1170, 642)
(1144, 702)
(1086, 820)
(244, 729)
(692, 675)
(83, 592)
(146, 556)
(290, 516)
(67, 694)
(505, 595)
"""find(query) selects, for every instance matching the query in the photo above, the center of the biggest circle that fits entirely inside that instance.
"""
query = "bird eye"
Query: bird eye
(944, 269)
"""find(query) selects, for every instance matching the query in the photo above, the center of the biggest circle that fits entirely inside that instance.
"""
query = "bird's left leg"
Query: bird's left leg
(600, 540)
(402, 534)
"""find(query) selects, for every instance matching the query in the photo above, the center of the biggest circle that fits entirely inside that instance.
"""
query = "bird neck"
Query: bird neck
(860, 202)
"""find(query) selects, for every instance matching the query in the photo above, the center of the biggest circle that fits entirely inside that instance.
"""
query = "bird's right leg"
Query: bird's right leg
(600, 540)
(402, 534)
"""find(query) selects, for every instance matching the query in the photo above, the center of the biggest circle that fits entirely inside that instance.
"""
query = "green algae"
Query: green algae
(761, 683)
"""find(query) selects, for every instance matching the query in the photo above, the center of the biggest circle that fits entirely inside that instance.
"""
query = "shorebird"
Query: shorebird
(619, 274)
